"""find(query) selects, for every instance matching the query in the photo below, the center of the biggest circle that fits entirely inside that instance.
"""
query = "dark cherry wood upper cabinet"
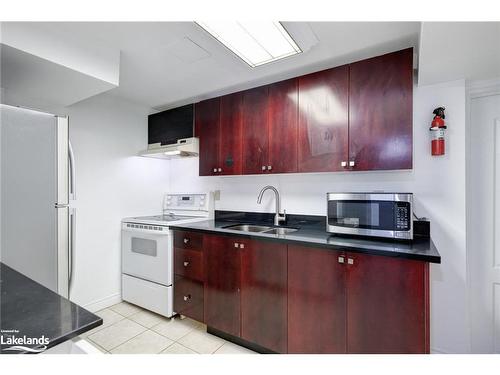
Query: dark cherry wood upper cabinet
(387, 305)
(255, 138)
(207, 130)
(222, 284)
(264, 295)
(316, 301)
(323, 120)
(283, 126)
(380, 112)
(230, 133)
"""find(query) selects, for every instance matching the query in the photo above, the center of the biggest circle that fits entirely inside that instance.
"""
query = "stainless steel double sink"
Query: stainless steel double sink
(261, 229)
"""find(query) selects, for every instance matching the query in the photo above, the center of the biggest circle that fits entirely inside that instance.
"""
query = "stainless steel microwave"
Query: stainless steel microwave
(386, 215)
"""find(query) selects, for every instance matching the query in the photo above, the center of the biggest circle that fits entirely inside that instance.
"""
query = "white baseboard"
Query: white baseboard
(438, 351)
(103, 302)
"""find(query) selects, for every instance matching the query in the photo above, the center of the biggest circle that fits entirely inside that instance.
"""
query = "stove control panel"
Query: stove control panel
(187, 202)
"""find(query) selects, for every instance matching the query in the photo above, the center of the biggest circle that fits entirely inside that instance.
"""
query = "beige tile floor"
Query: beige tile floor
(129, 329)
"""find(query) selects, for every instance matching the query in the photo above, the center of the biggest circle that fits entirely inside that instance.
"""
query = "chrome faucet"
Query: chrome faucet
(277, 216)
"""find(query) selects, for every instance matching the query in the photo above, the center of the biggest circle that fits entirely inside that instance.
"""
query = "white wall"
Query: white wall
(112, 183)
(437, 182)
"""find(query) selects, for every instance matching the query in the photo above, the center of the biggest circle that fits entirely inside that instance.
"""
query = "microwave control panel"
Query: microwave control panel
(403, 216)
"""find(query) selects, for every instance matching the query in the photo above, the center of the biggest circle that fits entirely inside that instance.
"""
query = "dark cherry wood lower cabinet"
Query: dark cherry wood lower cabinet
(289, 298)
(264, 294)
(188, 297)
(387, 305)
(222, 283)
(316, 301)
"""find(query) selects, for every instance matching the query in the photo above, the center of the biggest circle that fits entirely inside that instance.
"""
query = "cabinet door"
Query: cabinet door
(283, 126)
(230, 134)
(255, 130)
(380, 107)
(323, 120)
(264, 295)
(316, 301)
(222, 287)
(387, 302)
(207, 130)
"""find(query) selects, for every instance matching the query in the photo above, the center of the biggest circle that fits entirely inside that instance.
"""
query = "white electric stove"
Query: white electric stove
(147, 250)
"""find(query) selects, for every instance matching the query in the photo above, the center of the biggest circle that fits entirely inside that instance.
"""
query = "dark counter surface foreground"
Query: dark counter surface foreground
(34, 311)
(311, 232)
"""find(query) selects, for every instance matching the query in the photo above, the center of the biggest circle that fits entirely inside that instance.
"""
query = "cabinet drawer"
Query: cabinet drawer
(188, 263)
(188, 240)
(188, 298)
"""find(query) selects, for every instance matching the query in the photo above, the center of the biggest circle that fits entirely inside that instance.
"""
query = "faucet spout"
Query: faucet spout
(278, 217)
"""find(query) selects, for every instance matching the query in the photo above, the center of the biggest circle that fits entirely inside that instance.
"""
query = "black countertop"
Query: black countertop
(32, 310)
(311, 232)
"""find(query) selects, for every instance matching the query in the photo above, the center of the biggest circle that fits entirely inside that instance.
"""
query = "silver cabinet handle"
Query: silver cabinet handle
(219, 170)
(343, 164)
(351, 163)
(341, 259)
(215, 170)
(263, 167)
(269, 167)
(236, 244)
(350, 261)
(242, 245)
(186, 264)
(187, 298)
(186, 240)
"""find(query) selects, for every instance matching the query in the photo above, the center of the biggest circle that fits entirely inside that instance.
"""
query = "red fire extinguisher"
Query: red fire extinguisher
(437, 132)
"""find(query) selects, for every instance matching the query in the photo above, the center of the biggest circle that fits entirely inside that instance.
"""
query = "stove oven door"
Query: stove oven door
(147, 253)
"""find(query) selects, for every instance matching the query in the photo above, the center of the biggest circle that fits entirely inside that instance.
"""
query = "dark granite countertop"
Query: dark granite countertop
(32, 310)
(311, 232)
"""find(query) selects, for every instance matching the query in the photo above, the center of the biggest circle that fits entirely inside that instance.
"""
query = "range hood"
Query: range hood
(185, 147)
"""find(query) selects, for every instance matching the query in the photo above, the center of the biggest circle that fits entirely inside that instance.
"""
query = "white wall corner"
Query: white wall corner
(103, 303)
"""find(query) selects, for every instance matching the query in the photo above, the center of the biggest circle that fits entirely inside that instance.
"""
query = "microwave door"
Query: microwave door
(361, 217)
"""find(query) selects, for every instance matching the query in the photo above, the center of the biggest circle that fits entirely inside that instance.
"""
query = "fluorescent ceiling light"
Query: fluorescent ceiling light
(255, 42)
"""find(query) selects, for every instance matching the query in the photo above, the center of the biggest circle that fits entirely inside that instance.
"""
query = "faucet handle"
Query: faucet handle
(282, 217)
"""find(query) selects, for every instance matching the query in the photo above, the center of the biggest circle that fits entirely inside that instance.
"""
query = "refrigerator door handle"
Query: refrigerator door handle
(72, 246)
(72, 174)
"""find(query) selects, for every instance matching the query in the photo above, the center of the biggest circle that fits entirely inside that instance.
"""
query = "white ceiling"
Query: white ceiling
(457, 50)
(165, 64)
(30, 81)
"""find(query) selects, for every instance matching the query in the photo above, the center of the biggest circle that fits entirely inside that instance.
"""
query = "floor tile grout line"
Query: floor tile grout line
(141, 334)
(123, 343)
(126, 340)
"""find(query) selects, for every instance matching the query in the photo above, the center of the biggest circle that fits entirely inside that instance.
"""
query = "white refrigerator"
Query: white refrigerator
(37, 183)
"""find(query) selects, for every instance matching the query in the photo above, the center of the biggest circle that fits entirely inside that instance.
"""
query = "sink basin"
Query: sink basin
(261, 229)
(280, 231)
(248, 228)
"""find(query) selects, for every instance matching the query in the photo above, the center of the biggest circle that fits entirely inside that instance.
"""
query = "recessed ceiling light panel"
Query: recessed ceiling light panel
(255, 42)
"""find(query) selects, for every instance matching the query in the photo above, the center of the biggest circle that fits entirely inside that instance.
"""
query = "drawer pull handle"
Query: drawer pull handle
(263, 167)
(341, 259)
(236, 244)
(351, 163)
(186, 240)
(242, 245)
(350, 261)
(187, 298)
(186, 264)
